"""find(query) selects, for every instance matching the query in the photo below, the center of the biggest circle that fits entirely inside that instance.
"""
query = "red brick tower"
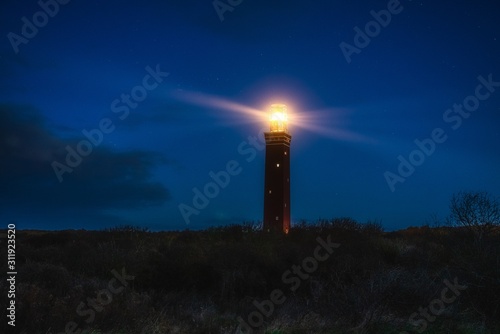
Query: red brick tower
(277, 172)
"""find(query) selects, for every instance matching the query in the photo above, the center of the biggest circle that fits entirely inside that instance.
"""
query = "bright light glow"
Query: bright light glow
(278, 118)
(219, 104)
(330, 122)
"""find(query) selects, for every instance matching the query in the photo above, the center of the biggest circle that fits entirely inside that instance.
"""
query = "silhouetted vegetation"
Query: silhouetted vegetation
(202, 281)
(478, 212)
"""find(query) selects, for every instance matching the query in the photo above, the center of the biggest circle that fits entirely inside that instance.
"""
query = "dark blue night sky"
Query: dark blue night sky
(156, 95)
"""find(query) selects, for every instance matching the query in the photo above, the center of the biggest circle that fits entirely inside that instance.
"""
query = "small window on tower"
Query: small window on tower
(277, 165)
(286, 152)
(269, 191)
(277, 218)
(285, 205)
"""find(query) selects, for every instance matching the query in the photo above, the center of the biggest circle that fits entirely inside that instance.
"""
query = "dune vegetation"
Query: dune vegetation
(129, 280)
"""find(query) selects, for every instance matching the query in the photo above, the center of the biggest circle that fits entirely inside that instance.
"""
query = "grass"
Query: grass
(201, 282)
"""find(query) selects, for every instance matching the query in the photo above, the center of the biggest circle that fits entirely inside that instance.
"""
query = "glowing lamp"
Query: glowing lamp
(278, 118)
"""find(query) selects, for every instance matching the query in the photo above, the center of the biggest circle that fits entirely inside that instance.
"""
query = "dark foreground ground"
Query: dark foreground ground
(353, 279)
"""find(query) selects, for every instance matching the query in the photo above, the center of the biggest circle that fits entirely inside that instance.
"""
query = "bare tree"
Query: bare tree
(477, 211)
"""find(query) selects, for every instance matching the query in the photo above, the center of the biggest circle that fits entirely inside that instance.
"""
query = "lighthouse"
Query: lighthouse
(277, 172)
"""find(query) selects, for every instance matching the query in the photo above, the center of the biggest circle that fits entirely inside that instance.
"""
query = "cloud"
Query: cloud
(105, 180)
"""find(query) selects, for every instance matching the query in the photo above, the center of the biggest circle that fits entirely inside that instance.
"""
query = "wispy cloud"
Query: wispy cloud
(105, 180)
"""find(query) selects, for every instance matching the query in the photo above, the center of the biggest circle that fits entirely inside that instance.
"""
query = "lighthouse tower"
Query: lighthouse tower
(277, 172)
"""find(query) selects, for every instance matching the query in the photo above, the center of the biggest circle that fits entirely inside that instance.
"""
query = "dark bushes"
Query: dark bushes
(201, 281)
